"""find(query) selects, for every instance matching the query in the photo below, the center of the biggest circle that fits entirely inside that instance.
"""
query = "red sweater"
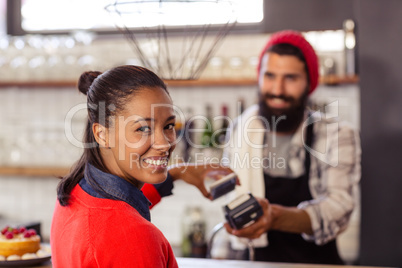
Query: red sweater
(95, 232)
(151, 193)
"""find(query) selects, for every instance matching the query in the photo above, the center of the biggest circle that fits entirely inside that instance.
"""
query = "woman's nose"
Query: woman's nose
(161, 142)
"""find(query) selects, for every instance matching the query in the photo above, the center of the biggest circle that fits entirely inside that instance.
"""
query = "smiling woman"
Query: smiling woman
(128, 140)
(140, 139)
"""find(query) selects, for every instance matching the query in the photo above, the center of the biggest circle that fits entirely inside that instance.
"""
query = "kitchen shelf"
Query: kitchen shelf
(34, 171)
(338, 80)
(169, 83)
(329, 80)
(37, 84)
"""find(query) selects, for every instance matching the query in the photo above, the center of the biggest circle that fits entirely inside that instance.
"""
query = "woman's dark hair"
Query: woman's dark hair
(288, 49)
(107, 95)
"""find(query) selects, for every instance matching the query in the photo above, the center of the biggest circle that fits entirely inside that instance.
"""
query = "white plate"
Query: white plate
(17, 263)
(28, 262)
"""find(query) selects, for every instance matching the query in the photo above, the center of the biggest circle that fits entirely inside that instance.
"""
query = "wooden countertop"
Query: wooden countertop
(34, 171)
(47, 264)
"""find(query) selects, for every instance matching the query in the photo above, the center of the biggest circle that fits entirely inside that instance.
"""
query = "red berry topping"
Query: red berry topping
(9, 235)
(15, 231)
(32, 232)
(4, 230)
(22, 229)
(27, 234)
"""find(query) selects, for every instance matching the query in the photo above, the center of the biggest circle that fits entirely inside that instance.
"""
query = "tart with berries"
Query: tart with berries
(18, 241)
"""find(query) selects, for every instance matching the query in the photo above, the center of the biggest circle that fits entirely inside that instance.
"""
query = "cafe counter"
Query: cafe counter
(198, 263)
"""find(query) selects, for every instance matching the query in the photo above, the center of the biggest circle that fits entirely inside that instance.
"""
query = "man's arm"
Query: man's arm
(193, 174)
(291, 219)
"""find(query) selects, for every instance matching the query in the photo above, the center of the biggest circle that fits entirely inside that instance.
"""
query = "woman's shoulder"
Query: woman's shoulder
(82, 199)
(114, 218)
(117, 238)
(131, 238)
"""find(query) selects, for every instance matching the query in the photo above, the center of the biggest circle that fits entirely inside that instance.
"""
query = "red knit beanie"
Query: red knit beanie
(296, 39)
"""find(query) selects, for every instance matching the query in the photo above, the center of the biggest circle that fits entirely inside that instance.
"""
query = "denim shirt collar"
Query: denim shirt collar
(104, 185)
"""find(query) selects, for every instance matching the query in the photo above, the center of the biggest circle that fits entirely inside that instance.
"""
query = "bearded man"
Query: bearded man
(303, 166)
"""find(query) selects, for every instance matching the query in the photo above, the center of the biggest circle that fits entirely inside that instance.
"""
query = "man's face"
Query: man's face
(283, 91)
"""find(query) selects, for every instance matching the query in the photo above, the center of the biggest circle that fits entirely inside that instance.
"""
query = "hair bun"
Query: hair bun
(86, 79)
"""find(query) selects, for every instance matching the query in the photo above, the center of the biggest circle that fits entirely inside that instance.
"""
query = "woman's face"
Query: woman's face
(142, 137)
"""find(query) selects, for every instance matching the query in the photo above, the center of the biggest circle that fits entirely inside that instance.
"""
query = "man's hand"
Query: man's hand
(275, 217)
(262, 225)
(195, 174)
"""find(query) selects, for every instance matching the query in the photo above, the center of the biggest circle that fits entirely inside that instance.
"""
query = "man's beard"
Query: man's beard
(283, 120)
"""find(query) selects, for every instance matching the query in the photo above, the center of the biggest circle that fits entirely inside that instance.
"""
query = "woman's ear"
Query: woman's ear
(101, 135)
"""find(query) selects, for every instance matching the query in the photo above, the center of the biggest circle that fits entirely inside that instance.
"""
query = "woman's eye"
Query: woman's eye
(170, 126)
(144, 129)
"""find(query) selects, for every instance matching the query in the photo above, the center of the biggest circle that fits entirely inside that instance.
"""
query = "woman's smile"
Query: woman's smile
(156, 162)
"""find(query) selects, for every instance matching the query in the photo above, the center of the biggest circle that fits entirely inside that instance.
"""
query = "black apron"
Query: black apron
(289, 247)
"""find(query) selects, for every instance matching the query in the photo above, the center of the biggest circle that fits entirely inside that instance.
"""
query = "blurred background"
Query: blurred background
(46, 45)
